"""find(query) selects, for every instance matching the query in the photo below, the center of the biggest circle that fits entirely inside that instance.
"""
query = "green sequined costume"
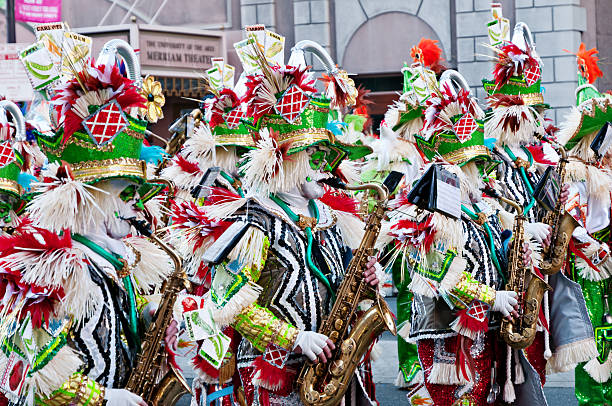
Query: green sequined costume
(588, 391)
(409, 365)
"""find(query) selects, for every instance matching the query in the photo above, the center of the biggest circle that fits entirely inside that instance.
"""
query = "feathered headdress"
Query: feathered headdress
(95, 85)
(222, 103)
(264, 89)
(587, 63)
(512, 61)
(340, 89)
(428, 54)
(513, 122)
(443, 106)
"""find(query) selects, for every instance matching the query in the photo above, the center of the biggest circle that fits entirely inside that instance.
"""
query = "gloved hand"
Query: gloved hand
(313, 345)
(122, 397)
(505, 303)
(540, 232)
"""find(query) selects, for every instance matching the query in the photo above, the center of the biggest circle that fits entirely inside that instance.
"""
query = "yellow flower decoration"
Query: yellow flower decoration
(152, 91)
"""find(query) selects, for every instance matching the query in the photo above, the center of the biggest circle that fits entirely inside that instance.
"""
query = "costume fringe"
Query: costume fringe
(404, 330)
(200, 147)
(597, 180)
(569, 126)
(269, 376)
(182, 179)
(351, 170)
(267, 171)
(376, 351)
(57, 371)
(587, 272)
(420, 285)
(509, 395)
(519, 375)
(154, 265)
(66, 203)
(250, 248)
(528, 121)
(446, 374)
(566, 357)
(351, 228)
(400, 382)
(468, 326)
(599, 372)
(246, 296)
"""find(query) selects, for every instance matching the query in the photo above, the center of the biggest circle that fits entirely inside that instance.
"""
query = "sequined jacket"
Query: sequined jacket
(432, 316)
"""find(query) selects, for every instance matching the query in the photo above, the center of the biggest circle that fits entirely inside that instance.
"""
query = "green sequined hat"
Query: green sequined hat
(593, 108)
(463, 140)
(12, 180)
(299, 118)
(528, 82)
(106, 142)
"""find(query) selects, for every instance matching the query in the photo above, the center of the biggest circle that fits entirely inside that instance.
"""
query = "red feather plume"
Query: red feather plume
(587, 63)
(428, 54)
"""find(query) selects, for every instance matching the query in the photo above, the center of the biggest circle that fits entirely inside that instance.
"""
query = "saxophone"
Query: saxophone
(520, 332)
(157, 384)
(562, 225)
(324, 384)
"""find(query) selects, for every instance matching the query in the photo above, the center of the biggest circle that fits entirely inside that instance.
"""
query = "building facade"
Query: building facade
(372, 38)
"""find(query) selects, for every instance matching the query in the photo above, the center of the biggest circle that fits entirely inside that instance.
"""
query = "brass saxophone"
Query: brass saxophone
(562, 225)
(324, 384)
(150, 378)
(520, 332)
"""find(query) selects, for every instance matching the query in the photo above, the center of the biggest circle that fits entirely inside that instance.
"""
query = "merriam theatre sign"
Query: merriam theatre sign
(164, 51)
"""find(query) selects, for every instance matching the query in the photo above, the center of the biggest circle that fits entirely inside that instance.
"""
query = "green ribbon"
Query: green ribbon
(232, 181)
(127, 281)
(309, 238)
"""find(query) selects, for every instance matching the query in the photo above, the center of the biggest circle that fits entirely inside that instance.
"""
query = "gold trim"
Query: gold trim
(95, 170)
(245, 140)
(10, 185)
(317, 108)
(280, 121)
(587, 108)
(83, 144)
(532, 98)
(465, 154)
(134, 134)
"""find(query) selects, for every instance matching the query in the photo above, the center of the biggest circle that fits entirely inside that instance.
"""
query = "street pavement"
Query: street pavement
(559, 388)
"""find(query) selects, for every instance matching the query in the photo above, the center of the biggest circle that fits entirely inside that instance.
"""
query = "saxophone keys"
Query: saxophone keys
(330, 389)
(338, 324)
(348, 346)
(312, 396)
(334, 335)
(337, 367)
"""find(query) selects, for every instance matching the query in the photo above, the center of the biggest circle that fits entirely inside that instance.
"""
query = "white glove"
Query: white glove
(310, 343)
(505, 300)
(122, 397)
(539, 231)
